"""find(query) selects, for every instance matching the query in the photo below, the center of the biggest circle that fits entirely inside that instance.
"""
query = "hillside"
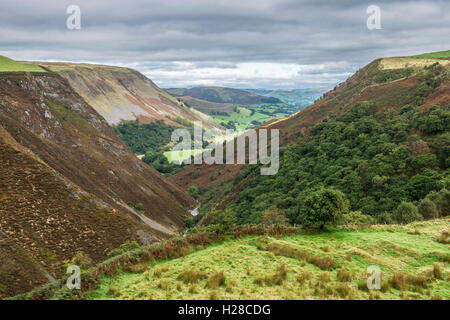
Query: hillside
(439, 54)
(8, 65)
(371, 137)
(286, 263)
(124, 94)
(69, 184)
(224, 95)
(234, 108)
(298, 97)
(206, 106)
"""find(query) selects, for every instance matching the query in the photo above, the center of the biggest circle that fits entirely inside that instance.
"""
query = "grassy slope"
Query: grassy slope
(392, 248)
(9, 65)
(243, 118)
(439, 54)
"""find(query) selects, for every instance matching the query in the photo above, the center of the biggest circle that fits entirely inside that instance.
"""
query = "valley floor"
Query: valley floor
(331, 265)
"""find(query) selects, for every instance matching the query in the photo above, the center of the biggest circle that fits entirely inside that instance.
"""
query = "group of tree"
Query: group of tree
(151, 140)
(386, 164)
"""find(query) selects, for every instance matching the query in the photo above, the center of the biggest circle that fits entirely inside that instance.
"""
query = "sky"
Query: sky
(272, 44)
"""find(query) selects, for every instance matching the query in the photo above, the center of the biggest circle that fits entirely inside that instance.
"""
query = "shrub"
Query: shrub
(126, 246)
(274, 217)
(385, 218)
(193, 191)
(444, 208)
(428, 209)
(358, 218)
(442, 201)
(135, 268)
(406, 212)
(82, 260)
(326, 206)
(139, 206)
(222, 220)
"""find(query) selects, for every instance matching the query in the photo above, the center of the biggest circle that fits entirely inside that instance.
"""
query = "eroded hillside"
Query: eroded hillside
(69, 184)
(125, 94)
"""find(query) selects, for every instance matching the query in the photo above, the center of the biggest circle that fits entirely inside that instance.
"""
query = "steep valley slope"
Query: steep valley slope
(124, 94)
(390, 84)
(68, 184)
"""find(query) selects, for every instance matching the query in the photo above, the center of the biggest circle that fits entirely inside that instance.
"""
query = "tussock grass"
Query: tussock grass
(191, 276)
(297, 252)
(216, 280)
(444, 237)
(282, 267)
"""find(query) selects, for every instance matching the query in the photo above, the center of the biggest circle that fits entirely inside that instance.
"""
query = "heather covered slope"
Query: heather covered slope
(386, 107)
(70, 184)
(124, 94)
(391, 82)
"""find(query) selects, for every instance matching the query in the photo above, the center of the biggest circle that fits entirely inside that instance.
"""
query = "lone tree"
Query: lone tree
(324, 207)
(406, 212)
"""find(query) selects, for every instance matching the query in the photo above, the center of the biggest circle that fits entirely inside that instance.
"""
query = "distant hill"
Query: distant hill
(224, 95)
(298, 97)
(207, 107)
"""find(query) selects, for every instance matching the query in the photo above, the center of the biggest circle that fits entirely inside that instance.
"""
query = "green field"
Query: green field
(9, 65)
(181, 155)
(328, 265)
(243, 118)
(439, 54)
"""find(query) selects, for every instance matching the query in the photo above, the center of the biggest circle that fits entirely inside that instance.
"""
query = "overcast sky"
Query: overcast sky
(243, 43)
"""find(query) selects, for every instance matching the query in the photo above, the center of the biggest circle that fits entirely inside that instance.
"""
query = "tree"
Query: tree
(406, 212)
(358, 218)
(428, 209)
(193, 191)
(322, 207)
(222, 220)
(384, 218)
(444, 207)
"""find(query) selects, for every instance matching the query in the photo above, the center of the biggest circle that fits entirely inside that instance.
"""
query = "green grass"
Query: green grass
(9, 65)
(243, 117)
(181, 155)
(253, 269)
(439, 54)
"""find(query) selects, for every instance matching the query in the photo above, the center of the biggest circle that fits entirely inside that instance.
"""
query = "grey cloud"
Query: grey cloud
(329, 39)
